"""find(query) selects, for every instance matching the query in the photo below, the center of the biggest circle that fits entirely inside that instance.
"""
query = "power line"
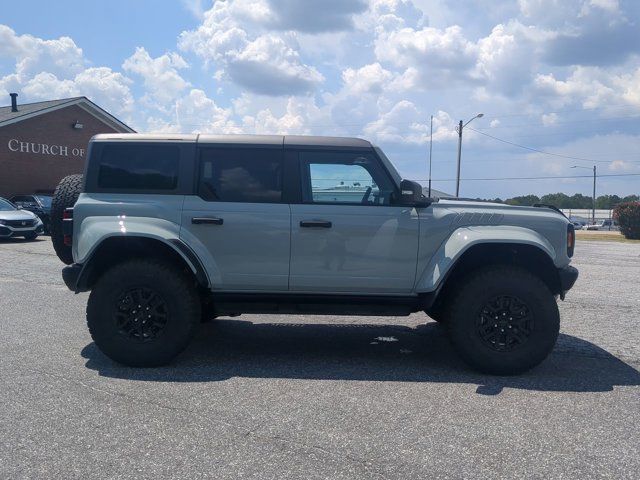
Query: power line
(548, 177)
(539, 151)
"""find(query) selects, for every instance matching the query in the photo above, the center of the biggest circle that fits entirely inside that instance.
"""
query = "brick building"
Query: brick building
(42, 142)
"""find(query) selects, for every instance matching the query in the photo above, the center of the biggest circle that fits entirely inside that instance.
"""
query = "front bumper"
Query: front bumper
(568, 276)
(7, 231)
(70, 275)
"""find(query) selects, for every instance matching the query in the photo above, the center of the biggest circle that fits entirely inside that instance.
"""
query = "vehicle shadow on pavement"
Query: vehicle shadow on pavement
(386, 353)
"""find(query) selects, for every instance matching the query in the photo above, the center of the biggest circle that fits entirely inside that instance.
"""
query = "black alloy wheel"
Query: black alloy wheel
(504, 323)
(141, 314)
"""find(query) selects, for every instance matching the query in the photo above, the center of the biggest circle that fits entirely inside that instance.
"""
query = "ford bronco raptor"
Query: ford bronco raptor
(168, 231)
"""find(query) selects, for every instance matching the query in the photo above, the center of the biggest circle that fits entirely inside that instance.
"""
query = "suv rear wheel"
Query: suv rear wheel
(143, 313)
(503, 320)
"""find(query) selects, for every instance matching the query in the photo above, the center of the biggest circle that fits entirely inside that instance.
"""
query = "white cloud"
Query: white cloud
(623, 166)
(324, 16)
(267, 63)
(592, 87)
(441, 57)
(549, 119)
(199, 113)
(32, 55)
(102, 85)
(368, 79)
(160, 75)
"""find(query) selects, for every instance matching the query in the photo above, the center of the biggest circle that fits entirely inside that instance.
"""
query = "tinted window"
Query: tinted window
(23, 198)
(344, 177)
(139, 167)
(45, 199)
(5, 205)
(252, 175)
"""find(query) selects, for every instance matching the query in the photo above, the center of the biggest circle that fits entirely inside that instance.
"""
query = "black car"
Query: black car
(38, 203)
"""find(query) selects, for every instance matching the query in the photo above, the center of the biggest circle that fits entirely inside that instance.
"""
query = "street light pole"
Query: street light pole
(460, 128)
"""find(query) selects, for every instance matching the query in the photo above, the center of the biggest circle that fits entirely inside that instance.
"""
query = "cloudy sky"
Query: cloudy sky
(557, 76)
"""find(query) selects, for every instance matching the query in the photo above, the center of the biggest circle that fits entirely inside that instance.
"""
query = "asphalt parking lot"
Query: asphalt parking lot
(317, 397)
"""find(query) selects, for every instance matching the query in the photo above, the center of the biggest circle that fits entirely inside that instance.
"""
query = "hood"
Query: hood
(16, 215)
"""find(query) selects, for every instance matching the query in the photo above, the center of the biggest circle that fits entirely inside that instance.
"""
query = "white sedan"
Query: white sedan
(18, 223)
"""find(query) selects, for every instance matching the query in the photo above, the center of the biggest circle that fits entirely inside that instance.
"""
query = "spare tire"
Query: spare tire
(65, 196)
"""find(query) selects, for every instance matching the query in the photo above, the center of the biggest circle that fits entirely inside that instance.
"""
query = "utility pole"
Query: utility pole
(594, 194)
(430, 151)
(460, 128)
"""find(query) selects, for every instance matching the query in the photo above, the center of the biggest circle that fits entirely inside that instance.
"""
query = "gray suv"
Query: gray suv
(168, 231)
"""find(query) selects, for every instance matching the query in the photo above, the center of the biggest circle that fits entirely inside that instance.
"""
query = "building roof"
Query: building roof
(29, 110)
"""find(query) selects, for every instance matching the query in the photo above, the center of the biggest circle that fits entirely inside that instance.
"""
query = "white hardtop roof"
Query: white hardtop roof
(301, 140)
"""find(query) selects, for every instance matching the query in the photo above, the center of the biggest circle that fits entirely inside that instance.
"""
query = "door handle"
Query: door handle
(207, 221)
(315, 224)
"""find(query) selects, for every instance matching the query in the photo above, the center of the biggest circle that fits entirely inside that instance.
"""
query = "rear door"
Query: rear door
(239, 216)
(346, 234)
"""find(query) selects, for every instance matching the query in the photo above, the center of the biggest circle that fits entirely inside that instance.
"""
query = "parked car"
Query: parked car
(40, 204)
(166, 231)
(15, 222)
(603, 225)
(578, 222)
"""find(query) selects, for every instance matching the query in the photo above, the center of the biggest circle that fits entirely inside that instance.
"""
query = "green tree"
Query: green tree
(630, 198)
(559, 200)
(607, 201)
(526, 200)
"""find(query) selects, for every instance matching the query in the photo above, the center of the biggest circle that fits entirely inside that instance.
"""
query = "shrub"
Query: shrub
(628, 216)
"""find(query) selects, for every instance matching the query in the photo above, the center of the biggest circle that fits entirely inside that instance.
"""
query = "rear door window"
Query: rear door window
(139, 167)
(248, 175)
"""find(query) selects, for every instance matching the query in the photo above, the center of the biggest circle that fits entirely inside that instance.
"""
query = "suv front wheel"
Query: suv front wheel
(503, 320)
(143, 313)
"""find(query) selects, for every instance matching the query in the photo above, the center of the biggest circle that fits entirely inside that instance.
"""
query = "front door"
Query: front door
(239, 220)
(346, 236)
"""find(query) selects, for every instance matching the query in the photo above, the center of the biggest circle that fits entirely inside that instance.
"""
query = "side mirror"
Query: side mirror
(411, 195)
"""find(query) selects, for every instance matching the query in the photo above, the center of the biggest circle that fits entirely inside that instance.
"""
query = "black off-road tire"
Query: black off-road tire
(467, 320)
(65, 196)
(114, 296)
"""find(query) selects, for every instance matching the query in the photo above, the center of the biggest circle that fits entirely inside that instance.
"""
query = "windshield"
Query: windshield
(45, 199)
(6, 205)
